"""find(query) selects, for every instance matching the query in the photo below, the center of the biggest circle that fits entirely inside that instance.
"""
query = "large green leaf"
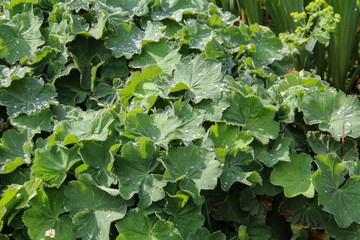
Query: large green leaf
(185, 215)
(163, 53)
(238, 166)
(349, 233)
(334, 112)
(250, 202)
(137, 225)
(16, 197)
(236, 37)
(138, 81)
(304, 212)
(226, 136)
(134, 170)
(127, 40)
(92, 209)
(197, 34)
(90, 126)
(123, 10)
(324, 144)
(7, 75)
(203, 234)
(89, 55)
(277, 150)
(46, 213)
(256, 228)
(196, 168)
(251, 113)
(100, 159)
(159, 127)
(36, 122)
(15, 150)
(268, 47)
(294, 176)
(334, 190)
(27, 95)
(176, 8)
(51, 164)
(20, 36)
(191, 121)
(202, 78)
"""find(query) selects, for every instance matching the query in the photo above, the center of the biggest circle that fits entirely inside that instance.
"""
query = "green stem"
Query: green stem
(208, 217)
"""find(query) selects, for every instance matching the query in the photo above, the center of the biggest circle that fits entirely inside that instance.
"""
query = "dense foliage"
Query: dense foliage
(166, 120)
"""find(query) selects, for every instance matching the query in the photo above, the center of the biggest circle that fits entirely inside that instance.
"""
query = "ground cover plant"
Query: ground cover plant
(167, 120)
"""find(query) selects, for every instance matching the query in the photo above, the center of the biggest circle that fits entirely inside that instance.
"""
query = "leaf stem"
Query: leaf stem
(208, 217)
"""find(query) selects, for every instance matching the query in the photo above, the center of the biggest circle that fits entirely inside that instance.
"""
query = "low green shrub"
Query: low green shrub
(167, 120)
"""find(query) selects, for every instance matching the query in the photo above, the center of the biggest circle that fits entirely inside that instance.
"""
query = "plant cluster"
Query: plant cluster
(157, 119)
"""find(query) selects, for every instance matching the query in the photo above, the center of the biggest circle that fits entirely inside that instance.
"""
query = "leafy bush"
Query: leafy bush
(167, 120)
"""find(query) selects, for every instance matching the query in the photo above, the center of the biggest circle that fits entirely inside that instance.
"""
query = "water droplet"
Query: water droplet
(108, 216)
(17, 41)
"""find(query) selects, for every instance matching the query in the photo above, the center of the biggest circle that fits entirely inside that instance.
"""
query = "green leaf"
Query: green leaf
(159, 127)
(251, 113)
(266, 187)
(134, 170)
(16, 197)
(185, 215)
(268, 47)
(238, 166)
(236, 37)
(191, 126)
(175, 9)
(294, 176)
(92, 209)
(163, 53)
(27, 95)
(15, 150)
(89, 55)
(20, 36)
(7, 75)
(229, 210)
(334, 190)
(322, 145)
(197, 34)
(304, 212)
(350, 233)
(90, 125)
(139, 225)
(277, 150)
(46, 213)
(147, 77)
(226, 136)
(68, 87)
(333, 111)
(196, 168)
(256, 228)
(52, 164)
(77, 5)
(123, 11)
(203, 234)
(36, 122)
(249, 202)
(98, 156)
(153, 32)
(201, 77)
(48, 61)
(127, 40)
(212, 112)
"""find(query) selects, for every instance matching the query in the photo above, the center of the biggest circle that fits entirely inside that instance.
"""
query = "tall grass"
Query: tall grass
(342, 43)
